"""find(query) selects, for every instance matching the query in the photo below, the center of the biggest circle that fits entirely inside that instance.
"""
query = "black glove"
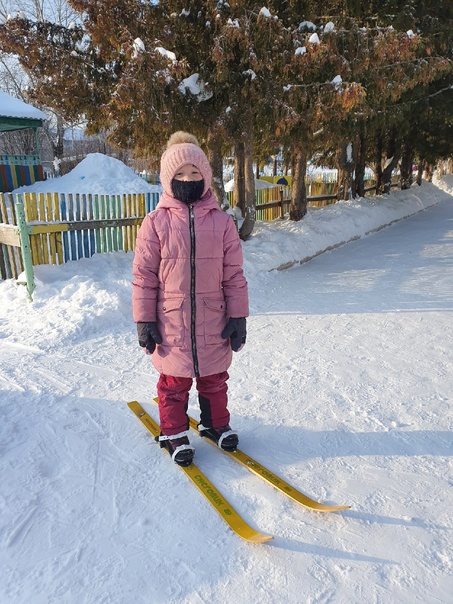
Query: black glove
(236, 330)
(148, 336)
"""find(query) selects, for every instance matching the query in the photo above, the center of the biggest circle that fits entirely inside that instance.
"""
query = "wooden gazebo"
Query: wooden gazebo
(19, 170)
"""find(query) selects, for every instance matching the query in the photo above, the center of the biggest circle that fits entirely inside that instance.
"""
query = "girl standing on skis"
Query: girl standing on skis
(190, 298)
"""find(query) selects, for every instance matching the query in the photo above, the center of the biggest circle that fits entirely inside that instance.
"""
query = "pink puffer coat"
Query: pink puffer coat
(188, 277)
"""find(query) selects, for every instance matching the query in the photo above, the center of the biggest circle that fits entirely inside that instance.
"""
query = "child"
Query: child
(190, 298)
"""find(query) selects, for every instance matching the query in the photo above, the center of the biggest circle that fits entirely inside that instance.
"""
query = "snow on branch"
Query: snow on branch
(250, 73)
(308, 25)
(138, 47)
(166, 53)
(195, 86)
(264, 12)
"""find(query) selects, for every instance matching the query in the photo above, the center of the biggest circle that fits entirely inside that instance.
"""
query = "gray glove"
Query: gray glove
(236, 330)
(148, 336)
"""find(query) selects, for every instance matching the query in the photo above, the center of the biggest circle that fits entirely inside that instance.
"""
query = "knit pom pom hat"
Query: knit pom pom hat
(182, 149)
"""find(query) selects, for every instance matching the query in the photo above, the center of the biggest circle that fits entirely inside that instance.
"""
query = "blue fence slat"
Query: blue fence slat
(72, 234)
(65, 236)
(85, 234)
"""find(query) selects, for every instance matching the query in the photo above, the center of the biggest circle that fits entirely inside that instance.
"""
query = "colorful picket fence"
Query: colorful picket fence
(53, 228)
(268, 201)
(72, 226)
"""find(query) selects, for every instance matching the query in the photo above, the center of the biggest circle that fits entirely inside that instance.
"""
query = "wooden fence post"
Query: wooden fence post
(282, 205)
(25, 248)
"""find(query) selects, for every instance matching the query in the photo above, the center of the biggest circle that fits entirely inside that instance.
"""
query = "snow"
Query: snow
(12, 107)
(259, 184)
(196, 86)
(307, 25)
(166, 53)
(96, 174)
(250, 73)
(344, 389)
(314, 39)
(138, 47)
(349, 157)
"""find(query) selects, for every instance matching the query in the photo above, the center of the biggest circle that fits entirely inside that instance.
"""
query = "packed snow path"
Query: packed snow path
(344, 388)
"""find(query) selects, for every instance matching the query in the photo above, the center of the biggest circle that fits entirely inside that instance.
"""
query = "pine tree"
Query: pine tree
(239, 74)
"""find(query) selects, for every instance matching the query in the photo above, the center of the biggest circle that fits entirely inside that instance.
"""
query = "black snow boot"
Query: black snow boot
(224, 437)
(179, 447)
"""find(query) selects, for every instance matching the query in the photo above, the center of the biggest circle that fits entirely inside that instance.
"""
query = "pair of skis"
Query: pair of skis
(218, 501)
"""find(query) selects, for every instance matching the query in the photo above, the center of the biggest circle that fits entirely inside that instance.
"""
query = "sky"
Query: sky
(344, 389)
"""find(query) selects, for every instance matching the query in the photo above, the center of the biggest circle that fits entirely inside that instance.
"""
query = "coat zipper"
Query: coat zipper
(192, 291)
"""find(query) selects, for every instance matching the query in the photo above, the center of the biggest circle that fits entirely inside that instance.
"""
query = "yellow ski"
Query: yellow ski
(272, 478)
(203, 484)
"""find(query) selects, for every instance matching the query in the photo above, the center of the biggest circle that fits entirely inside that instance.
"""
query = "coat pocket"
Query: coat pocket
(171, 318)
(214, 320)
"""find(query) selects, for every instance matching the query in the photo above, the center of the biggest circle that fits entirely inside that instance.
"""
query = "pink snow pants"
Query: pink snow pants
(173, 393)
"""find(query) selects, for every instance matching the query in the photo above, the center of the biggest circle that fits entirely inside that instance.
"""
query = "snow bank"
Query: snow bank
(281, 244)
(97, 174)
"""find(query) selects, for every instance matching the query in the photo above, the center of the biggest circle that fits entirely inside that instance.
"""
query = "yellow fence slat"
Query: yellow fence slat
(43, 217)
(31, 215)
(58, 236)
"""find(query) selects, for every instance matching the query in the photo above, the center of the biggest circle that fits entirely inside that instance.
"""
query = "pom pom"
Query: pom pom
(180, 137)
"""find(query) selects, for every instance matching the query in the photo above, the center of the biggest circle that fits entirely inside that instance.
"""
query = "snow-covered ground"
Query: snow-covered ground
(344, 388)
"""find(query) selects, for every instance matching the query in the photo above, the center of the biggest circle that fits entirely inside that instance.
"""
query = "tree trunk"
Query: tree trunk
(346, 165)
(378, 161)
(393, 155)
(406, 166)
(359, 181)
(216, 160)
(429, 170)
(419, 173)
(58, 147)
(249, 213)
(298, 207)
(239, 176)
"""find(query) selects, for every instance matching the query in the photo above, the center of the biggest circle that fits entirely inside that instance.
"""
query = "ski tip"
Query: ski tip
(325, 507)
(256, 537)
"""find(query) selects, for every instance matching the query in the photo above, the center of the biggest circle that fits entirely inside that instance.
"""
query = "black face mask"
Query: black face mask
(187, 191)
